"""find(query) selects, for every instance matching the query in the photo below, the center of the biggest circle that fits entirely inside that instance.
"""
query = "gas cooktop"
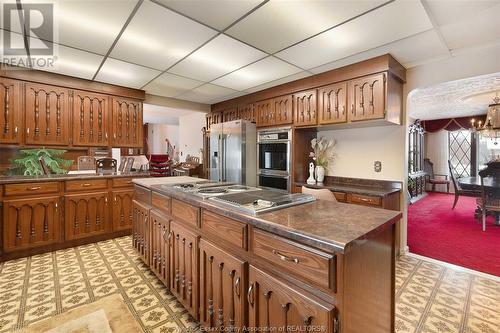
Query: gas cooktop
(212, 189)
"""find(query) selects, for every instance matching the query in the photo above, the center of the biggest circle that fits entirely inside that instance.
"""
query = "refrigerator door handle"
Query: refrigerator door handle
(223, 164)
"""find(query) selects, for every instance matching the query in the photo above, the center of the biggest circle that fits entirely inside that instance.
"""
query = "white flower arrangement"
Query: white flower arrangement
(322, 152)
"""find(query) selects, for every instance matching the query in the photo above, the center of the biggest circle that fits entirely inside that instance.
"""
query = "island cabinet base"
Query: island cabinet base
(233, 276)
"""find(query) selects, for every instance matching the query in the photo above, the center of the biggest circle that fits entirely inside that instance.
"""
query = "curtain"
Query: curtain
(450, 124)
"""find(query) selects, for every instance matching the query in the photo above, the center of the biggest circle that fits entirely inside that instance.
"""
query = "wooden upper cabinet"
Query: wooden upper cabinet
(305, 108)
(265, 113)
(283, 110)
(90, 119)
(10, 111)
(247, 112)
(333, 103)
(230, 114)
(213, 118)
(47, 114)
(367, 97)
(127, 122)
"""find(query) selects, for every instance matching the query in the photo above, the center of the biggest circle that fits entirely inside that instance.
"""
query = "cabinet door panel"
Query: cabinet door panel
(10, 111)
(127, 123)
(213, 118)
(160, 233)
(247, 112)
(140, 232)
(231, 114)
(265, 112)
(283, 110)
(333, 103)
(276, 306)
(86, 215)
(305, 108)
(123, 209)
(367, 97)
(90, 119)
(30, 223)
(222, 303)
(47, 115)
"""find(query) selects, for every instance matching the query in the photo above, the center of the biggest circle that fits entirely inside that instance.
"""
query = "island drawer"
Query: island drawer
(161, 202)
(122, 182)
(311, 264)
(142, 194)
(367, 200)
(229, 230)
(31, 188)
(185, 212)
(86, 185)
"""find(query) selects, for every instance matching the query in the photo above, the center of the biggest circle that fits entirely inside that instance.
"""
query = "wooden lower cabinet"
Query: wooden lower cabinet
(222, 285)
(123, 212)
(141, 230)
(184, 266)
(275, 306)
(86, 215)
(30, 222)
(160, 234)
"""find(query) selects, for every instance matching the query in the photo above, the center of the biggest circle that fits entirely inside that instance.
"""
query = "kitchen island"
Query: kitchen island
(320, 266)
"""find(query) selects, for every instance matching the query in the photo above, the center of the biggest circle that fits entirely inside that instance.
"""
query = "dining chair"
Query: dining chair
(459, 191)
(105, 165)
(490, 197)
(86, 163)
(320, 194)
(435, 178)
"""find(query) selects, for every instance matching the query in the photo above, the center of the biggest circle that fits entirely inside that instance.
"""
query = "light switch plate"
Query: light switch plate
(377, 166)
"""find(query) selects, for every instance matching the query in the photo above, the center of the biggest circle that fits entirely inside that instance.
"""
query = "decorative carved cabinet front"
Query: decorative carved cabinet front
(231, 114)
(160, 233)
(90, 119)
(222, 289)
(265, 113)
(30, 222)
(213, 118)
(85, 215)
(275, 306)
(333, 103)
(283, 110)
(123, 213)
(247, 112)
(10, 111)
(140, 230)
(305, 108)
(47, 114)
(367, 97)
(127, 122)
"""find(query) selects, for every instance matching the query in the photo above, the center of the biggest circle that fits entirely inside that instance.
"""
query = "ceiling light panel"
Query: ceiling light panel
(217, 14)
(170, 85)
(389, 23)
(262, 71)
(281, 23)
(218, 57)
(157, 37)
(206, 93)
(125, 74)
(69, 61)
(90, 25)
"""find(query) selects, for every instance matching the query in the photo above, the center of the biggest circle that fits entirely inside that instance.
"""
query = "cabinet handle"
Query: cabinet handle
(27, 131)
(365, 200)
(15, 131)
(34, 188)
(114, 136)
(352, 108)
(343, 110)
(250, 296)
(85, 185)
(286, 258)
(106, 135)
(237, 286)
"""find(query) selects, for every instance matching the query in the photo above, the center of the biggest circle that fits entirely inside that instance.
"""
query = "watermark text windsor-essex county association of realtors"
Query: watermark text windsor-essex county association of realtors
(29, 35)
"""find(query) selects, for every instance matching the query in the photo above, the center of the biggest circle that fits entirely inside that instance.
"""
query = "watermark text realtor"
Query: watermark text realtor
(27, 35)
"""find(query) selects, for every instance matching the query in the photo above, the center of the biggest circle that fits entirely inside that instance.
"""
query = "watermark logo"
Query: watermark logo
(28, 30)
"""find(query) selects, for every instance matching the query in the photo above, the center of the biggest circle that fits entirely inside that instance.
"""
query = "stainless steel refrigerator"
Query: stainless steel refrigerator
(233, 152)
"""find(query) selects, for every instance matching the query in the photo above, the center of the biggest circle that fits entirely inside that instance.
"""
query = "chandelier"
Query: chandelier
(491, 127)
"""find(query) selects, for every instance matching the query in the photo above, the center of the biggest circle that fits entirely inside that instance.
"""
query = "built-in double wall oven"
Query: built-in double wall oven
(274, 158)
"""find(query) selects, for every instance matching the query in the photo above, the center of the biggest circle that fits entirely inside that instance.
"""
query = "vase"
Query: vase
(311, 179)
(320, 174)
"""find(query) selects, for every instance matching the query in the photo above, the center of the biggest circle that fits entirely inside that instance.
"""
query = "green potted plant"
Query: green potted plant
(37, 162)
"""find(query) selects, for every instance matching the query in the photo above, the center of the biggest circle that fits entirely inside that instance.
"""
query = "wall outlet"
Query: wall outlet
(377, 166)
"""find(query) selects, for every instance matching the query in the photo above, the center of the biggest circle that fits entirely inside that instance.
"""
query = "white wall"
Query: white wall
(157, 133)
(358, 149)
(190, 135)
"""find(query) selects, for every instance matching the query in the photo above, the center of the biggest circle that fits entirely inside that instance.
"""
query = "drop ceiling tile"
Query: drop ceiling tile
(279, 24)
(409, 52)
(157, 37)
(274, 83)
(389, 23)
(265, 70)
(452, 11)
(483, 28)
(218, 57)
(125, 74)
(90, 25)
(69, 61)
(217, 14)
(170, 85)
(206, 93)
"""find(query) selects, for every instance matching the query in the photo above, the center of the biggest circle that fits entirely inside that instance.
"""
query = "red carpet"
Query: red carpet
(453, 236)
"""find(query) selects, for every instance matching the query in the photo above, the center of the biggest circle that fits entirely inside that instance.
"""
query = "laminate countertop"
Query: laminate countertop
(331, 226)
(59, 178)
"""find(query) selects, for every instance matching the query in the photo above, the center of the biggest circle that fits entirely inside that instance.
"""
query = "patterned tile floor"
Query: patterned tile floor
(430, 297)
